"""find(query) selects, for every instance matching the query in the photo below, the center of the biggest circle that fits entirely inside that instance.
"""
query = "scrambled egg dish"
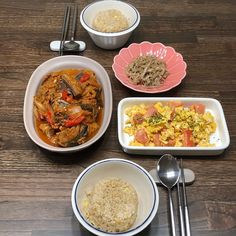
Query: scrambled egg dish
(169, 124)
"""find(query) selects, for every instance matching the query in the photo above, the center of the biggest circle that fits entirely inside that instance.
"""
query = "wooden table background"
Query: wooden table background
(35, 185)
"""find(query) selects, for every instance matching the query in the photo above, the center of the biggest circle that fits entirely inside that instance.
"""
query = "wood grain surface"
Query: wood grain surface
(35, 185)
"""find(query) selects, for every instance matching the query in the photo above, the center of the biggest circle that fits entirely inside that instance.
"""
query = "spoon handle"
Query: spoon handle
(172, 219)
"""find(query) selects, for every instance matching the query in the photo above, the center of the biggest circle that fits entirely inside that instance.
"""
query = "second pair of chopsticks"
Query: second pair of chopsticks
(65, 27)
(183, 206)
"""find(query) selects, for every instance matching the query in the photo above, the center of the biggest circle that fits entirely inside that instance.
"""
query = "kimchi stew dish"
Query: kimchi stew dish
(68, 107)
(68, 104)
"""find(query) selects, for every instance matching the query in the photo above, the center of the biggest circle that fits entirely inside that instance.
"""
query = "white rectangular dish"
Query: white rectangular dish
(220, 138)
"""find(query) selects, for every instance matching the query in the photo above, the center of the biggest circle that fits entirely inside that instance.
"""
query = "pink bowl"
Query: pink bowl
(174, 62)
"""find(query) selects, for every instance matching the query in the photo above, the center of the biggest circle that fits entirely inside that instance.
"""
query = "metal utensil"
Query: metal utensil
(168, 172)
(181, 215)
(64, 29)
(189, 176)
(186, 214)
(72, 45)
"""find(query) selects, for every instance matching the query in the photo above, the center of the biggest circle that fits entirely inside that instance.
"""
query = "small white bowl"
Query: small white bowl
(109, 40)
(59, 63)
(129, 171)
(220, 138)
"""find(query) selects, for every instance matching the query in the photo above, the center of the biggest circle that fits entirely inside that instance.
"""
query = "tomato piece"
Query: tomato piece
(188, 142)
(199, 108)
(156, 139)
(171, 143)
(138, 118)
(175, 103)
(84, 77)
(75, 121)
(151, 111)
(141, 136)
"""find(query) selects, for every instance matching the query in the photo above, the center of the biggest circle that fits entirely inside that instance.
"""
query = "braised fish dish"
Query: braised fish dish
(68, 107)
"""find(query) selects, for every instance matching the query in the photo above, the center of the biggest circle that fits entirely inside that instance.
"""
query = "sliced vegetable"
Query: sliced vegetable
(175, 103)
(48, 117)
(156, 139)
(84, 78)
(188, 141)
(75, 121)
(141, 136)
(199, 108)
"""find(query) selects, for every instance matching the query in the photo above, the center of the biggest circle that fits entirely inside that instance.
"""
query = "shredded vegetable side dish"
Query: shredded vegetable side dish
(147, 70)
(68, 107)
(170, 124)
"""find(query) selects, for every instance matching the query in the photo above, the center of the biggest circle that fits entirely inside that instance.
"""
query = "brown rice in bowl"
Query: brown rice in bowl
(129, 172)
(111, 205)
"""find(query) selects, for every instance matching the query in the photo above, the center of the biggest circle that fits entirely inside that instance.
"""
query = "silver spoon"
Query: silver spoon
(168, 172)
(72, 45)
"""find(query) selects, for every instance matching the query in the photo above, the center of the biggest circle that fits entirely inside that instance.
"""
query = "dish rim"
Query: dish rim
(28, 115)
(156, 99)
(130, 232)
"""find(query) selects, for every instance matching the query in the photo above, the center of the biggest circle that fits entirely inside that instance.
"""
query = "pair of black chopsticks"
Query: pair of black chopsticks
(66, 25)
(183, 206)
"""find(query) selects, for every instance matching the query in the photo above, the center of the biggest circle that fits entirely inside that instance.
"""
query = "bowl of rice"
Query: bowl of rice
(110, 23)
(115, 197)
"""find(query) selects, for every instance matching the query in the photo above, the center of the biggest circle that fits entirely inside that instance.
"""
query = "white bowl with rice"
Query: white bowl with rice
(118, 186)
(110, 23)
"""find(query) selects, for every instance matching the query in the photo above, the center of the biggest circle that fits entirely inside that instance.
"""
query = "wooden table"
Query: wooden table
(35, 185)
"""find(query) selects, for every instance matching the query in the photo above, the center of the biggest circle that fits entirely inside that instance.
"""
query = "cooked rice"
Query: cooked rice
(109, 21)
(111, 205)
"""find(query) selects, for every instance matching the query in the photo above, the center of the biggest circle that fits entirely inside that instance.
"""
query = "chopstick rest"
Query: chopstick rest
(189, 176)
(55, 45)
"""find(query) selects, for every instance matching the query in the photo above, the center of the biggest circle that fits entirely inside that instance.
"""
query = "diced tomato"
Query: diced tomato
(175, 103)
(151, 111)
(171, 142)
(156, 139)
(199, 108)
(141, 136)
(138, 118)
(75, 121)
(84, 78)
(188, 142)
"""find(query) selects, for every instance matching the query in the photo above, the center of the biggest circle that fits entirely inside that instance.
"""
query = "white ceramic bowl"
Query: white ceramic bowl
(59, 63)
(132, 173)
(109, 40)
(220, 138)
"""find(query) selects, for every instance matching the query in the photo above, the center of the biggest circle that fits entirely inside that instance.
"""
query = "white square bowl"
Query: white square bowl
(220, 137)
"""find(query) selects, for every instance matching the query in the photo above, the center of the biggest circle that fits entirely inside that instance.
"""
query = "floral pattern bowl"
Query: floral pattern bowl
(175, 64)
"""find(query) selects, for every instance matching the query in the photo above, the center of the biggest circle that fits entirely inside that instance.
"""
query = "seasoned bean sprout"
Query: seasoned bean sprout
(147, 70)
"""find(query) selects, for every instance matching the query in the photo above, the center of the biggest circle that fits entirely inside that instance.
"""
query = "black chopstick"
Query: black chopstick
(64, 29)
(186, 214)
